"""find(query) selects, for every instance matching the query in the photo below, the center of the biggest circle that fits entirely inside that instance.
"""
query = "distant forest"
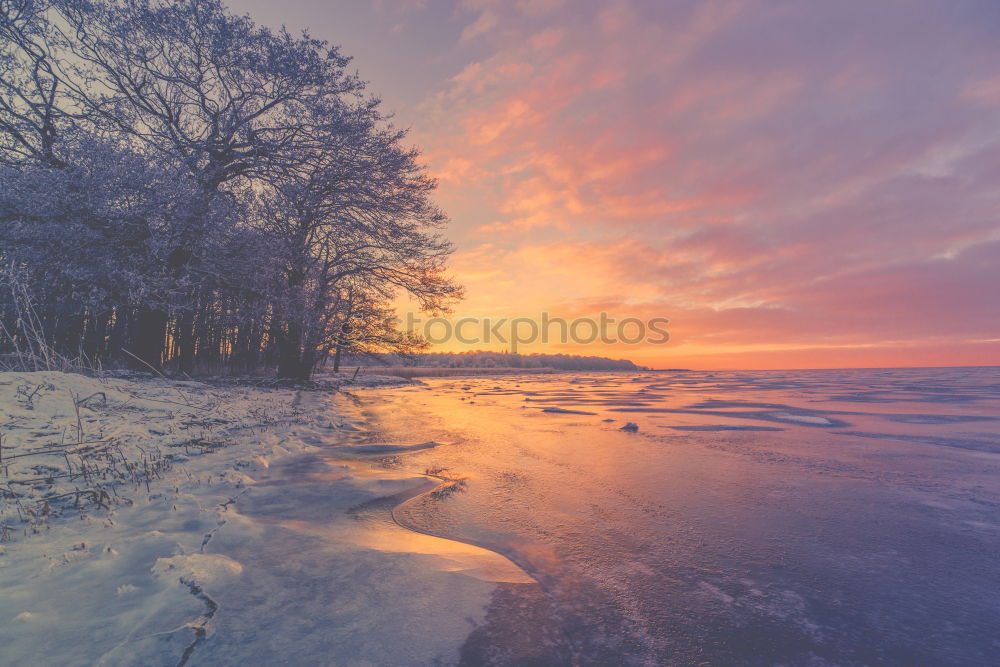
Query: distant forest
(182, 189)
(485, 359)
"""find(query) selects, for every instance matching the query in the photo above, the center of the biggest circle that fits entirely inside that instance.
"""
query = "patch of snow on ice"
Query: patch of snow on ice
(805, 419)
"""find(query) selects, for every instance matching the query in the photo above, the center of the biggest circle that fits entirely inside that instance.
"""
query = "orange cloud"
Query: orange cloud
(784, 200)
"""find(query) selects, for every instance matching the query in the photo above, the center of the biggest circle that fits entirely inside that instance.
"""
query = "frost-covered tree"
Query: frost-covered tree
(191, 83)
(32, 97)
(186, 187)
(354, 224)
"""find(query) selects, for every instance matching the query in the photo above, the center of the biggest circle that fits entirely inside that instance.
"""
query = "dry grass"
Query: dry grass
(24, 339)
(89, 446)
(97, 468)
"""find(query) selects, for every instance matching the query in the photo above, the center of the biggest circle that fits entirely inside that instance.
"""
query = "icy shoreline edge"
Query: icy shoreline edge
(170, 567)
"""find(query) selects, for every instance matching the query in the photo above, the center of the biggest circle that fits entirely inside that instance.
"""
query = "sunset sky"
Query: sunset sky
(792, 184)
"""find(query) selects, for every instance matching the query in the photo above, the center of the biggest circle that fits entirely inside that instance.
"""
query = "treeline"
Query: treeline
(486, 359)
(181, 188)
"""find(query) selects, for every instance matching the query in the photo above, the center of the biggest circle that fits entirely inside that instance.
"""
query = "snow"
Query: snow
(805, 419)
(233, 526)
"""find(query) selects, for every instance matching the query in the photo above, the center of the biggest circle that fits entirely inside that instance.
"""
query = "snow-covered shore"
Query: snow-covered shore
(73, 444)
(154, 522)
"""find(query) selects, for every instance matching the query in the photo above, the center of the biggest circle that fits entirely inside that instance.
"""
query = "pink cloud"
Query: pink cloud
(733, 167)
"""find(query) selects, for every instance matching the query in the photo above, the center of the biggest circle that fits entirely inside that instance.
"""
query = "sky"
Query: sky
(793, 184)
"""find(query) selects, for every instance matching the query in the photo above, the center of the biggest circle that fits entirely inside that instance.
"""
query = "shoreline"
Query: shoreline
(310, 522)
(165, 576)
(692, 539)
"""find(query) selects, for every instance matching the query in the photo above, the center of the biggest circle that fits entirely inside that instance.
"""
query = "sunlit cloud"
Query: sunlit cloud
(798, 179)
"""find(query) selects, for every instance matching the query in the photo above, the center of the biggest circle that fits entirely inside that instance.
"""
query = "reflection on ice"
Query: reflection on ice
(451, 556)
(826, 517)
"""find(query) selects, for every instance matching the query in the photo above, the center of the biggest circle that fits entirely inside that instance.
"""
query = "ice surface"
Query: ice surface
(808, 517)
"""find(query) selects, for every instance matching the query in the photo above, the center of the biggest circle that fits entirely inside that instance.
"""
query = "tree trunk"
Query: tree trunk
(290, 352)
(336, 358)
(306, 363)
(149, 333)
(186, 339)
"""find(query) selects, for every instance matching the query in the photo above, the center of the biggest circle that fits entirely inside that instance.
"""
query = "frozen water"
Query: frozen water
(800, 517)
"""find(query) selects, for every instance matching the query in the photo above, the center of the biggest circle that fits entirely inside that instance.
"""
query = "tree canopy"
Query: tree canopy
(183, 188)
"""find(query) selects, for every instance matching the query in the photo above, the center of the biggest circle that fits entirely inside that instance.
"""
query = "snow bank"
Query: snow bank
(111, 488)
(71, 443)
(195, 524)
